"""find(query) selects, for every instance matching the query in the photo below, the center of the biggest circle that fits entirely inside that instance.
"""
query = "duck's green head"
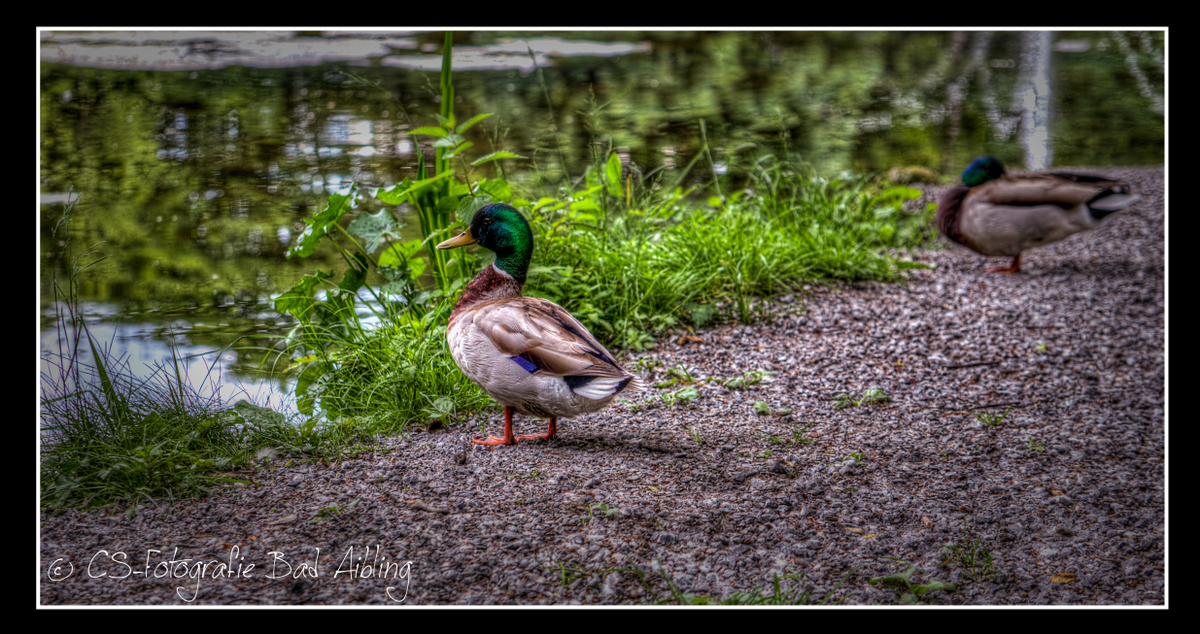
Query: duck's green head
(501, 229)
(982, 170)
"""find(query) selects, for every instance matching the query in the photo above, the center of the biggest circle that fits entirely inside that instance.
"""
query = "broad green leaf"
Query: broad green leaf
(589, 191)
(899, 193)
(446, 205)
(309, 386)
(502, 154)
(430, 130)
(472, 121)
(417, 266)
(399, 288)
(935, 585)
(356, 275)
(412, 247)
(498, 189)
(586, 204)
(468, 206)
(260, 417)
(374, 228)
(612, 170)
(320, 224)
(299, 300)
(554, 204)
(454, 151)
(400, 258)
(896, 580)
(394, 195)
(399, 193)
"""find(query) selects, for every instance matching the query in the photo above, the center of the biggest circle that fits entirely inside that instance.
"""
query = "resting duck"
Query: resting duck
(528, 353)
(998, 214)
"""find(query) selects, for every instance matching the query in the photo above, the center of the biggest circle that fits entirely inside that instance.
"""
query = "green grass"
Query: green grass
(109, 438)
(971, 555)
(871, 396)
(627, 260)
(630, 255)
(391, 377)
(331, 511)
(677, 374)
(115, 436)
(748, 379)
(797, 437)
(910, 592)
(628, 276)
(632, 276)
(992, 419)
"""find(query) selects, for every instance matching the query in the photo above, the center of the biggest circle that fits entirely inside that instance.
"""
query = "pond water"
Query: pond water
(194, 156)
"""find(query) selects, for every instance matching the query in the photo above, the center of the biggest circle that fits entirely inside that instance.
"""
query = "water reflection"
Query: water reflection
(212, 50)
(196, 155)
(142, 352)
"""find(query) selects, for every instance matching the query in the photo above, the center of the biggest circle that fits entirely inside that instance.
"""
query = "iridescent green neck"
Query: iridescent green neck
(501, 229)
(982, 170)
(515, 261)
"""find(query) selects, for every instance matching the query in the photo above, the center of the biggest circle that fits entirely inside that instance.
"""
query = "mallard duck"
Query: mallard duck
(528, 353)
(998, 214)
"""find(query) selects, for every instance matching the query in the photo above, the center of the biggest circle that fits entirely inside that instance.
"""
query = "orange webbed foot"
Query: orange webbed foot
(551, 433)
(496, 440)
(507, 439)
(1013, 267)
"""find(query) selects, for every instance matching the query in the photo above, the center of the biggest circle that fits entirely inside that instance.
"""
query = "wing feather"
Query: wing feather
(1040, 189)
(547, 336)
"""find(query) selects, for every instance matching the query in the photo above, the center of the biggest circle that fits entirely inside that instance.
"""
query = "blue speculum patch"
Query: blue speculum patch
(524, 363)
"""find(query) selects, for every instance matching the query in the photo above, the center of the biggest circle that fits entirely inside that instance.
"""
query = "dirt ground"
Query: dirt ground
(1022, 415)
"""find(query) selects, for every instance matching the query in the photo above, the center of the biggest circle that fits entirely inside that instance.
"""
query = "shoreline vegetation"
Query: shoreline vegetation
(632, 256)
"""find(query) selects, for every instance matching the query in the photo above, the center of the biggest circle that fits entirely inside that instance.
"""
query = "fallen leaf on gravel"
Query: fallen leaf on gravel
(1063, 577)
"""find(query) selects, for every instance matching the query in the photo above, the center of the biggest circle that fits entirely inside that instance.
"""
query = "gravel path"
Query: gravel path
(1066, 493)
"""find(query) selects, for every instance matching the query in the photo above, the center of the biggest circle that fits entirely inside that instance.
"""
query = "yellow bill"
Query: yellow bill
(461, 240)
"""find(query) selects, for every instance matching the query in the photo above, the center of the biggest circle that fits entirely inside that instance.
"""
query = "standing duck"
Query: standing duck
(998, 214)
(528, 353)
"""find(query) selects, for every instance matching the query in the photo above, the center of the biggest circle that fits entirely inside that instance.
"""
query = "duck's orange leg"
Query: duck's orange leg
(550, 434)
(508, 438)
(1011, 268)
